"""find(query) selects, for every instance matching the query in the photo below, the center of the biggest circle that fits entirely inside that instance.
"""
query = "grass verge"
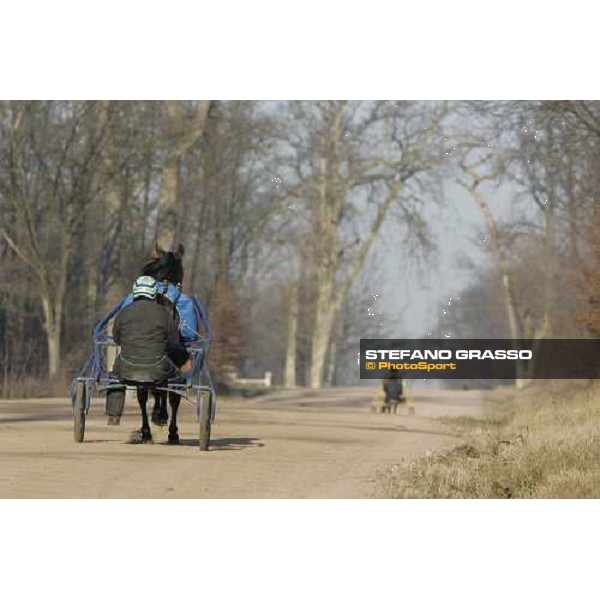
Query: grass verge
(542, 443)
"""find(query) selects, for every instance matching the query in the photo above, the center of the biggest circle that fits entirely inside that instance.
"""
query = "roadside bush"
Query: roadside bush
(545, 443)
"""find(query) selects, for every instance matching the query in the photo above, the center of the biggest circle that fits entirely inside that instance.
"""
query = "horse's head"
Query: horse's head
(166, 265)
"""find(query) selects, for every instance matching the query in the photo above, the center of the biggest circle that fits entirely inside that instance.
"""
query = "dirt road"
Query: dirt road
(298, 444)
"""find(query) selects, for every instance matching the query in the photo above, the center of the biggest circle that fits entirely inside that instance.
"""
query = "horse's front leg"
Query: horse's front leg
(174, 401)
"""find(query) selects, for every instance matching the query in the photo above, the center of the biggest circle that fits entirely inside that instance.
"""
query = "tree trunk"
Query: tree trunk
(320, 341)
(505, 282)
(330, 297)
(53, 352)
(509, 303)
(326, 264)
(550, 267)
(331, 364)
(290, 356)
(6, 356)
(166, 224)
(52, 328)
(554, 166)
(52, 306)
(183, 132)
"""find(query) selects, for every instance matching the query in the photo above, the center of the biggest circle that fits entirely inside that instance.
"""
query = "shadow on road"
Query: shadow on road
(238, 443)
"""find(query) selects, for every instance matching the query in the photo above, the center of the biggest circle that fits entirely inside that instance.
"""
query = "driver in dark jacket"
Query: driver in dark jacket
(145, 331)
(393, 388)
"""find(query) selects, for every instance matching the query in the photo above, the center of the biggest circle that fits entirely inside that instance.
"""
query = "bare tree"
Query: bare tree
(50, 160)
(357, 162)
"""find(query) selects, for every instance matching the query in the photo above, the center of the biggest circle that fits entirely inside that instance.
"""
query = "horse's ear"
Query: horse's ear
(180, 251)
(158, 250)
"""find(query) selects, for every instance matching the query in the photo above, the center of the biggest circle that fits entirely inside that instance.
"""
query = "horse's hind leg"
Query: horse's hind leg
(174, 401)
(145, 433)
(156, 407)
(160, 416)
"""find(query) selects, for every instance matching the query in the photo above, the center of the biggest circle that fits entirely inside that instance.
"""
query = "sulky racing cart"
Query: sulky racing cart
(96, 378)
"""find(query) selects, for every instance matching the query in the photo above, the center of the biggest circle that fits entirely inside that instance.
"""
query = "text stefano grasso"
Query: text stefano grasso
(481, 358)
(499, 354)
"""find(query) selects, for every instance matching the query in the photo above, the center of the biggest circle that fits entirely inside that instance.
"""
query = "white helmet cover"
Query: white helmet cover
(145, 287)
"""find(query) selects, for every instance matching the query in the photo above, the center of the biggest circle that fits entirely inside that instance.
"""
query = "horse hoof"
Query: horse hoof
(113, 421)
(141, 437)
(173, 439)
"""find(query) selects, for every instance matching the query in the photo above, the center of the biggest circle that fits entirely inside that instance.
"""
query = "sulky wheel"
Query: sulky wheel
(79, 410)
(204, 399)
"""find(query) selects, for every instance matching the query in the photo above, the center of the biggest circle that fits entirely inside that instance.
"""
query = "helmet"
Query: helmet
(145, 287)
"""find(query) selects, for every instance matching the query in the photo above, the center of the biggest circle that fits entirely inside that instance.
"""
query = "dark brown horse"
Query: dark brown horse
(165, 267)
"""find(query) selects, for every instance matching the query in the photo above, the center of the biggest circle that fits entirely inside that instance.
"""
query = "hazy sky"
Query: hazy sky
(455, 223)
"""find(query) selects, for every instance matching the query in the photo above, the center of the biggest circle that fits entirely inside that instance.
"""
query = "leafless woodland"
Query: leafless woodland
(279, 205)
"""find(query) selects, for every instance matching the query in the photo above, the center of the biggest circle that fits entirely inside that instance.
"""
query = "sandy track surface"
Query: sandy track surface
(297, 444)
